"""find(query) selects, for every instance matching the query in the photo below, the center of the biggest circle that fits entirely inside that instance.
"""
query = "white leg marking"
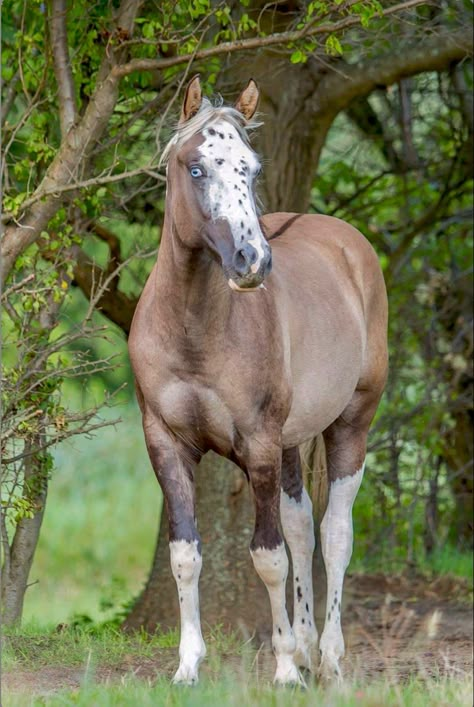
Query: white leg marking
(186, 563)
(272, 568)
(336, 543)
(298, 529)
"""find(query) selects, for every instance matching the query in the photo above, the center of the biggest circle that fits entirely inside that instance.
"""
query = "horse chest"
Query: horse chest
(198, 414)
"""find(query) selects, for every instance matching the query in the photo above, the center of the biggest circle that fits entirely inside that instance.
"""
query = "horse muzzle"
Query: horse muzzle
(250, 266)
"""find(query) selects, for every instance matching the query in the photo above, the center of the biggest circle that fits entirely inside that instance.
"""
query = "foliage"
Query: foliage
(418, 216)
(37, 357)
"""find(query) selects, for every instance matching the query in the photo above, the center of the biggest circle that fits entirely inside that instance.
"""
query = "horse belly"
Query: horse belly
(321, 394)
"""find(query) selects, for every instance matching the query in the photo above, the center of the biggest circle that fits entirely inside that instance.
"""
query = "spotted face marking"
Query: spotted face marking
(230, 168)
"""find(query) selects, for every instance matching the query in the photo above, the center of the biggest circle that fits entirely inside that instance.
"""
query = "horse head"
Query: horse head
(211, 174)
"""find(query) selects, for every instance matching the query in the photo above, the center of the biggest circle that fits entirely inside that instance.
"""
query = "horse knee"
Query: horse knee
(271, 565)
(186, 561)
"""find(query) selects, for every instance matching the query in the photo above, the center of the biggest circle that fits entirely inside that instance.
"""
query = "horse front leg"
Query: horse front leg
(175, 474)
(268, 552)
(297, 522)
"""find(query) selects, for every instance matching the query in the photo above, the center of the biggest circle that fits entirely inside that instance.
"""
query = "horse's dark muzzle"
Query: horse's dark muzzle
(249, 269)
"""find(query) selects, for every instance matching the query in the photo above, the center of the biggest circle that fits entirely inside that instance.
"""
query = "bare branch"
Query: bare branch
(62, 67)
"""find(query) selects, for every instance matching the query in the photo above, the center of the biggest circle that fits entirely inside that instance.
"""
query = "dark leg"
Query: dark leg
(263, 463)
(298, 528)
(174, 468)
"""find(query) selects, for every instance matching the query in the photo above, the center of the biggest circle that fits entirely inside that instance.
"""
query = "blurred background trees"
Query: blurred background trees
(367, 115)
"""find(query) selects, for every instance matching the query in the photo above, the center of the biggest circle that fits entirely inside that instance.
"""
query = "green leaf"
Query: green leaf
(333, 45)
(297, 57)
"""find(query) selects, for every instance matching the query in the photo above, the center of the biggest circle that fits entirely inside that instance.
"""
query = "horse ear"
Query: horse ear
(192, 100)
(247, 102)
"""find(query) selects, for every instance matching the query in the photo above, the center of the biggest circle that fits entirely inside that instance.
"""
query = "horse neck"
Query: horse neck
(190, 287)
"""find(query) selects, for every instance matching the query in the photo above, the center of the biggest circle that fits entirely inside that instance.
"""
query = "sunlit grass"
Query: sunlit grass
(33, 648)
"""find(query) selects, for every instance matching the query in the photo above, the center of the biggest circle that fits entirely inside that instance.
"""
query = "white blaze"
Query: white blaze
(230, 167)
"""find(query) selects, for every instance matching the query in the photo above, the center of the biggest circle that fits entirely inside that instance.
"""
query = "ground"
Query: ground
(395, 628)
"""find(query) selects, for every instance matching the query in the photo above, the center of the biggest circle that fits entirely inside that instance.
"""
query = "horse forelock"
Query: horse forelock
(207, 115)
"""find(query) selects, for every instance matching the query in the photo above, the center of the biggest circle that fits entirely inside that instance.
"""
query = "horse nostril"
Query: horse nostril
(268, 264)
(241, 262)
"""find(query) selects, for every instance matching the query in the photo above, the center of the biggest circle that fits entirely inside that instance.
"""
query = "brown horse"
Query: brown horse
(252, 370)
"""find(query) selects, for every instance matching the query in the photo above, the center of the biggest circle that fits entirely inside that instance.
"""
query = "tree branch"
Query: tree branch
(113, 303)
(73, 153)
(238, 45)
(54, 191)
(436, 53)
(62, 67)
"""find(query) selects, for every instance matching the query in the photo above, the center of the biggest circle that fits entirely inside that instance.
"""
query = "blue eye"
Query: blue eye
(196, 172)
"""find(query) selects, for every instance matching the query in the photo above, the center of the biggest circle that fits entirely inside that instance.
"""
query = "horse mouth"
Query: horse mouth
(248, 288)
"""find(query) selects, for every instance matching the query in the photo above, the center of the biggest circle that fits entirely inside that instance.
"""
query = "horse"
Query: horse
(252, 335)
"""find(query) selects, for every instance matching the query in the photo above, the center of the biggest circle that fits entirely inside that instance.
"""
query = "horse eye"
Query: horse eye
(196, 172)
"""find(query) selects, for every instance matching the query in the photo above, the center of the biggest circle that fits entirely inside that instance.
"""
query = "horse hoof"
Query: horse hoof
(291, 678)
(329, 674)
(303, 659)
(185, 677)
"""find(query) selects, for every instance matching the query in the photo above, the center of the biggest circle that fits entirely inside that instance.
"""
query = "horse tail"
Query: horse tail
(315, 474)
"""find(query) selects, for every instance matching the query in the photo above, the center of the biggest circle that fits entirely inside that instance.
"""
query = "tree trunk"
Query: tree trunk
(18, 558)
(294, 130)
(460, 477)
(456, 318)
(297, 111)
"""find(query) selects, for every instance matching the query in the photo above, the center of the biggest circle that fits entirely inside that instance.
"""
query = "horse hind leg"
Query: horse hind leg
(298, 528)
(345, 442)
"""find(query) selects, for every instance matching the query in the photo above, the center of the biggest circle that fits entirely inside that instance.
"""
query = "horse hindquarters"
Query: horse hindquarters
(175, 474)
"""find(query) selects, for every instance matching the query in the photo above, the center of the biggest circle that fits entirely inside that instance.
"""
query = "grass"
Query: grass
(132, 693)
(449, 560)
(227, 692)
(105, 662)
(32, 648)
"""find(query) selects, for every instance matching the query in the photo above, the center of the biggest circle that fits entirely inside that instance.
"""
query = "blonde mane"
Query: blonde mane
(208, 114)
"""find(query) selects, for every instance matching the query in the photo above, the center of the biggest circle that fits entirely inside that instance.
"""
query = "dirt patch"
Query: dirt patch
(394, 627)
(399, 627)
